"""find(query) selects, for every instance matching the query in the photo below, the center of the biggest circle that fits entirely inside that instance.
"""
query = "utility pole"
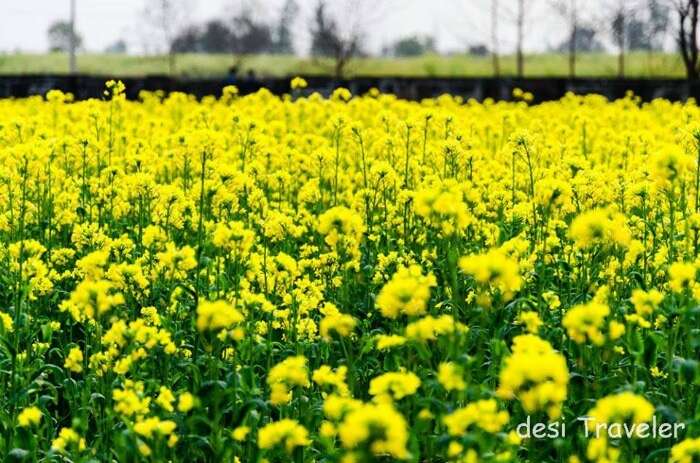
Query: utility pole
(573, 39)
(520, 26)
(622, 37)
(494, 39)
(73, 45)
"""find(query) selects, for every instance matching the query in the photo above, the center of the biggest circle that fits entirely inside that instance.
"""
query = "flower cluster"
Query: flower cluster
(536, 375)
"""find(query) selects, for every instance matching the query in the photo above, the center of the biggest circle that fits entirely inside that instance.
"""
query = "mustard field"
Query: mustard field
(349, 279)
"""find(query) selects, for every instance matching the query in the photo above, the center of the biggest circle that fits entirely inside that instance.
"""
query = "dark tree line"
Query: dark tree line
(413, 45)
(242, 34)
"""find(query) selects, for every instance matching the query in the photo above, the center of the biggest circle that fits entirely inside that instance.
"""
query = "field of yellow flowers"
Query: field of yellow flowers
(352, 279)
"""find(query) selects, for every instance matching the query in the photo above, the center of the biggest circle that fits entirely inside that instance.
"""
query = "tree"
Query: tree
(188, 40)
(688, 12)
(637, 25)
(73, 40)
(283, 35)
(216, 37)
(495, 58)
(250, 36)
(61, 34)
(568, 9)
(646, 32)
(242, 35)
(520, 28)
(646, 25)
(658, 23)
(117, 48)
(478, 49)
(327, 41)
(336, 39)
(476, 9)
(622, 14)
(520, 18)
(637, 37)
(166, 18)
(413, 46)
(586, 41)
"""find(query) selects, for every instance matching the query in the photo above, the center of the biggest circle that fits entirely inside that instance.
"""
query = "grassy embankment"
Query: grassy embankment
(639, 64)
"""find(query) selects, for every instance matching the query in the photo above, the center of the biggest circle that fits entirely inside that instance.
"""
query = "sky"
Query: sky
(455, 24)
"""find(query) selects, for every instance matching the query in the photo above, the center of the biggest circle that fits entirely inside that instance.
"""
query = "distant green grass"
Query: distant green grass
(638, 64)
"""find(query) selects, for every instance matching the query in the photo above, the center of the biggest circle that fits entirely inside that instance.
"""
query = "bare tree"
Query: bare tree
(520, 18)
(284, 35)
(657, 24)
(620, 16)
(568, 9)
(251, 34)
(687, 35)
(520, 25)
(328, 41)
(73, 42)
(470, 29)
(495, 57)
(338, 30)
(167, 17)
